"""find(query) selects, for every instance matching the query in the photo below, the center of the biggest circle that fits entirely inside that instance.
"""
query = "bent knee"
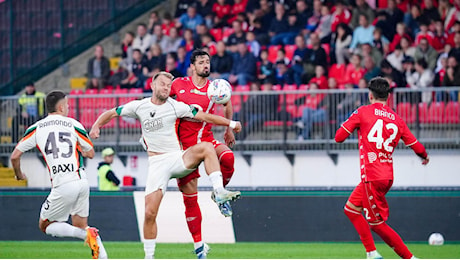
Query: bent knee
(43, 224)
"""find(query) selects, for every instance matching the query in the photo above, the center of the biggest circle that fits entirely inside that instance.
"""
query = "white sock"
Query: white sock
(102, 252)
(149, 248)
(216, 180)
(62, 229)
(198, 244)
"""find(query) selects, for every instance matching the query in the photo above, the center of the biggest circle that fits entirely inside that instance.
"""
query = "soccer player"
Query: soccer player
(379, 130)
(193, 91)
(158, 116)
(62, 141)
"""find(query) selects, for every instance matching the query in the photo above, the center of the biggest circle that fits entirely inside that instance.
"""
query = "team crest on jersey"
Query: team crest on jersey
(152, 114)
(195, 91)
(182, 91)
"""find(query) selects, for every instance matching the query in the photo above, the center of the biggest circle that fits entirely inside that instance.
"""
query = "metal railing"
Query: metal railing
(275, 120)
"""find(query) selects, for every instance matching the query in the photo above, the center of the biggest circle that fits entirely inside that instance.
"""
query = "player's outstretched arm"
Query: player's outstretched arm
(341, 135)
(218, 120)
(16, 162)
(102, 120)
(420, 150)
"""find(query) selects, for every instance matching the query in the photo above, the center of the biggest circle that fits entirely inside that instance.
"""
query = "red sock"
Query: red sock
(361, 226)
(392, 239)
(227, 161)
(193, 215)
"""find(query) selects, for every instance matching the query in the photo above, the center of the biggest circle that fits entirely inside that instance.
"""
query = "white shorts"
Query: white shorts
(164, 167)
(71, 198)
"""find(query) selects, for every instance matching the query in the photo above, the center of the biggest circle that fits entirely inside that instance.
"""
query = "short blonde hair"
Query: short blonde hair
(164, 73)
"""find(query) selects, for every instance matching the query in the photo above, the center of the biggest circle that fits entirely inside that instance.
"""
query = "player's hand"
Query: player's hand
(229, 137)
(20, 176)
(94, 133)
(237, 128)
(426, 160)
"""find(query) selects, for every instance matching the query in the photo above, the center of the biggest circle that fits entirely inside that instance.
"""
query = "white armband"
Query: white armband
(232, 124)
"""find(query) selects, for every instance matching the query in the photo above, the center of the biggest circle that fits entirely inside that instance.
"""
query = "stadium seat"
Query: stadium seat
(216, 33)
(337, 71)
(111, 123)
(78, 83)
(273, 52)
(276, 87)
(290, 49)
(436, 112)
(106, 100)
(452, 113)
(423, 113)
(87, 117)
(74, 92)
(114, 63)
(407, 112)
(291, 97)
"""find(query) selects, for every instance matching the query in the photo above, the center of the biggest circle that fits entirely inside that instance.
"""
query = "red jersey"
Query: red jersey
(191, 131)
(379, 131)
(221, 10)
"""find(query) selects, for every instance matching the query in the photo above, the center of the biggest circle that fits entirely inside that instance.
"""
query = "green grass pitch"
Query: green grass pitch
(35, 249)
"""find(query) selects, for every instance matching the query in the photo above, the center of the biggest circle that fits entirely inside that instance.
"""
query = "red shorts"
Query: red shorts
(195, 174)
(371, 197)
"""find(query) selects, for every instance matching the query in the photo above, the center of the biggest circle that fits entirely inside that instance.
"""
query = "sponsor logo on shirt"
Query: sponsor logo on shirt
(371, 156)
(151, 125)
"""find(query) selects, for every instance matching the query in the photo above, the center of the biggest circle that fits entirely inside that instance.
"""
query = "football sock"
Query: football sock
(227, 161)
(149, 248)
(216, 180)
(362, 227)
(193, 215)
(102, 252)
(197, 245)
(62, 229)
(392, 239)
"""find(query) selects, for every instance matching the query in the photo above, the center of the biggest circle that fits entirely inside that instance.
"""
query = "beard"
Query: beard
(203, 74)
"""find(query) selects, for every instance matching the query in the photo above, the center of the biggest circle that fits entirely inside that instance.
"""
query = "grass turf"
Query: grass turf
(58, 249)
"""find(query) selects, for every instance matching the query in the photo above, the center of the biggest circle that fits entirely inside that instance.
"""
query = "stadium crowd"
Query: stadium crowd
(306, 44)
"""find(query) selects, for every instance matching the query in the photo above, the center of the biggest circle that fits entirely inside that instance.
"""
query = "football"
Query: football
(436, 239)
(219, 91)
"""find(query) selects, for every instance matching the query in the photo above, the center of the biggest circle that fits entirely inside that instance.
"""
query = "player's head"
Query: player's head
(56, 102)
(108, 155)
(200, 62)
(379, 89)
(161, 85)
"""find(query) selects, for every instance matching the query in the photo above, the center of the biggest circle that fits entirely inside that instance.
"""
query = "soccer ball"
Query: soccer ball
(436, 239)
(219, 91)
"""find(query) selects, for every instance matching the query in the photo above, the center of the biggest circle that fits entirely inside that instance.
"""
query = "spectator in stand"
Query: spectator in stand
(406, 47)
(342, 43)
(441, 63)
(395, 58)
(412, 20)
(265, 13)
(267, 70)
(181, 7)
(390, 72)
(221, 63)
(206, 41)
(243, 18)
(253, 44)
(424, 33)
(430, 12)
(380, 42)
(424, 50)
(452, 78)
(257, 109)
(143, 39)
(350, 101)
(303, 12)
(261, 36)
(159, 38)
(283, 74)
(135, 78)
(154, 19)
(422, 79)
(439, 36)
(245, 70)
(384, 25)
(278, 25)
(31, 108)
(239, 6)
(372, 71)
(281, 56)
(200, 30)
(314, 56)
(127, 48)
(173, 42)
(183, 61)
(221, 10)
(366, 50)
(204, 8)
(188, 43)
(98, 69)
(167, 23)
(448, 13)
(363, 33)
(314, 112)
(400, 33)
(319, 78)
(354, 71)
(362, 7)
(296, 62)
(287, 38)
(156, 61)
(340, 15)
(237, 36)
(314, 20)
(395, 15)
(324, 26)
(455, 51)
(171, 66)
(190, 19)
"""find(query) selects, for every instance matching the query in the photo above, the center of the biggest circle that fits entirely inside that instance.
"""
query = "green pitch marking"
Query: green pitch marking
(297, 250)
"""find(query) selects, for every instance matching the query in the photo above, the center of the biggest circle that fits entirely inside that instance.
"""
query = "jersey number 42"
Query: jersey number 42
(376, 135)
